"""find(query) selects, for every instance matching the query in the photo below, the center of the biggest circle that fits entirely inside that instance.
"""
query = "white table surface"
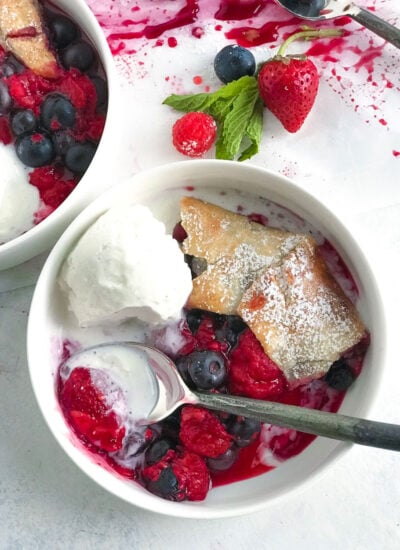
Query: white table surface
(344, 156)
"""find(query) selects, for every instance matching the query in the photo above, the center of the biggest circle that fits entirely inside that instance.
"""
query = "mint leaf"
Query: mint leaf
(189, 103)
(254, 130)
(237, 120)
(238, 111)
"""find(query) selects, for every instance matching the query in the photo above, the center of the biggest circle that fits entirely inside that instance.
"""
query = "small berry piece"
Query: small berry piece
(157, 450)
(340, 376)
(34, 149)
(178, 477)
(244, 430)
(251, 372)
(79, 156)
(63, 31)
(11, 66)
(233, 62)
(62, 141)
(5, 98)
(165, 485)
(194, 134)
(203, 433)
(84, 407)
(80, 55)
(5, 131)
(224, 461)
(23, 122)
(57, 112)
(101, 90)
(205, 369)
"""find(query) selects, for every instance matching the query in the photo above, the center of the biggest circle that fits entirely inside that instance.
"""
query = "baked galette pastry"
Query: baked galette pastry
(22, 33)
(235, 250)
(277, 282)
(300, 314)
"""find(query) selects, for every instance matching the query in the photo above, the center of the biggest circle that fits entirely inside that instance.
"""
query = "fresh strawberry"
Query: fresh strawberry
(288, 85)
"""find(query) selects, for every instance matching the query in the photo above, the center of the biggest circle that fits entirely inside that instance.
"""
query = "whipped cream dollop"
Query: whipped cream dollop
(126, 266)
(19, 200)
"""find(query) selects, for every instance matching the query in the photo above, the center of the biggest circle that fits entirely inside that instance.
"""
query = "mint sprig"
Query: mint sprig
(238, 111)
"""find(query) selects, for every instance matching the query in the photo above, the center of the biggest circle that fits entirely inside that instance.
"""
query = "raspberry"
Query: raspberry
(5, 132)
(202, 433)
(251, 372)
(178, 477)
(85, 408)
(194, 134)
(53, 189)
(28, 89)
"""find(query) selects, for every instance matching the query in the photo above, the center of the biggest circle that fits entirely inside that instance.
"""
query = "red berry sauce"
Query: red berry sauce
(194, 434)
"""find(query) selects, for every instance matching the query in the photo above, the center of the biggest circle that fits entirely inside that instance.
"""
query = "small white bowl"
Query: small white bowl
(45, 331)
(99, 175)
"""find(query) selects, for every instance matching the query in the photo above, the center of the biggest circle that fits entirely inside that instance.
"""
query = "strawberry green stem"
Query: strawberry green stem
(308, 34)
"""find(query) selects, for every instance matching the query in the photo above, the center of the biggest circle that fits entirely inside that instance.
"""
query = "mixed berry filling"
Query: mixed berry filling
(55, 123)
(194, 449)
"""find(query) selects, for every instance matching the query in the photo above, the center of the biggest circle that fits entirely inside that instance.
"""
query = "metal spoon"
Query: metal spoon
(317, 10)
(171, 392)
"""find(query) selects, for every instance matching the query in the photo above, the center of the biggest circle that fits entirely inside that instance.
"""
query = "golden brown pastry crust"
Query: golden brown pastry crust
(300, 314)
(277, 282)
(235, 249)
(22, 33)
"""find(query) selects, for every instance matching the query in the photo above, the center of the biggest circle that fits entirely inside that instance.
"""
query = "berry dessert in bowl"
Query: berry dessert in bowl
(251, 287)
(57, 99)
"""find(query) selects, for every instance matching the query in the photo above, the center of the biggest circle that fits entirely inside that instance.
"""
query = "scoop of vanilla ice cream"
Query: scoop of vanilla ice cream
(125, 266)
(19, 200)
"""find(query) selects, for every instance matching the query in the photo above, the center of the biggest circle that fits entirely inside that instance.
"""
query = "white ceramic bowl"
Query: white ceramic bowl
(99, 175)
(47, 314)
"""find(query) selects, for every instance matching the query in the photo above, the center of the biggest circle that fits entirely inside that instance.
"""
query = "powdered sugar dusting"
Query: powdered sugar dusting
(300, 315)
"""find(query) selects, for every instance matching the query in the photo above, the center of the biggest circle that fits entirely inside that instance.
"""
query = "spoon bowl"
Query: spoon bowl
(318, 10)
(171, 392)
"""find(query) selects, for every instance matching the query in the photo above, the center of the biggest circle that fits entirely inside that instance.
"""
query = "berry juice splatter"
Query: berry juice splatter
(359, 67)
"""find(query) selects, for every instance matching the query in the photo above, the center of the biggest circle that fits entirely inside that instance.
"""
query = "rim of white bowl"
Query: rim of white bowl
(58, 219)
(97, 472)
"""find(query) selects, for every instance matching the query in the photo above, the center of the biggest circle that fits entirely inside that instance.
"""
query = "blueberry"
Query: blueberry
(197, 265)
(224, 461)
(62, 141)
(340, 376)
(11, 66)
(231, 329)
(5, 99)
(79, 156)
(35, 149)
(57, 112)
(171, 425)
(101, 90)
(193, 319)
(233, 62)
(80, 55)
(244, 430)
(63, 31)
(157, 450)
(23, 122)
(166, 486)
(203, 369)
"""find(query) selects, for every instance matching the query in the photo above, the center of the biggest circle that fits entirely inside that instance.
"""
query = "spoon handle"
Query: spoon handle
(377, 25)
(332, 425)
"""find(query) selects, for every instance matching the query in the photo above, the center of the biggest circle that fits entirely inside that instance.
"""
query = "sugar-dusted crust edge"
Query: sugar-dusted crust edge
(22, 33)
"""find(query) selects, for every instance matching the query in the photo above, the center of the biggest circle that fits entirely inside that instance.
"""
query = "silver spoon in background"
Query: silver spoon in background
(317, 10)
(170, 392)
